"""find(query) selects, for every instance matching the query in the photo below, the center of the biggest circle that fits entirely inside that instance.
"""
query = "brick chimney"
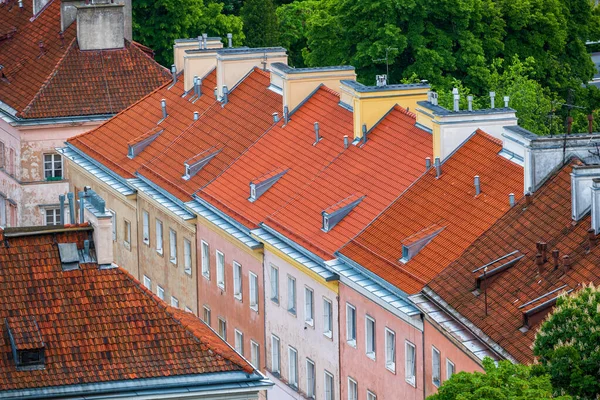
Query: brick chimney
(68, 13)
(101, 25)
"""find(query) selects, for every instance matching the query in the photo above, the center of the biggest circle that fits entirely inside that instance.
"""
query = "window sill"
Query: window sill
(127, 245)
(436, 383)
(188, 271)
(159, 252)
(371, 356)
(391, 368)
(206, 276)
(352, 343)
(328, 334)
(146, 242)
(221, 286)
(411, 382)
(173, 261)
(254, 308)
(275, 300)
(238, 297)
(309, 322)
(292, 312)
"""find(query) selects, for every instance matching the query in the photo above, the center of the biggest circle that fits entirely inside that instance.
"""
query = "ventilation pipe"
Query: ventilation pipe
(511, 199)
(286, 115)
(230, 40)
(21, 4)
(163, 106)
(196, 115)
(81, 207)
(493, 99)
(506, 100)
(216, 92)
(200, 43)
(275, 117)
(470, 101)
(225, 99)
(174, 73)
(364, 133)
(566, 263)
(197, 86)
(205, 40)
(438, 167)
(346, 142)
(61, 199)
(456, 99)
(477, 183)
(317, 136)
(427, 162)
(71, 198)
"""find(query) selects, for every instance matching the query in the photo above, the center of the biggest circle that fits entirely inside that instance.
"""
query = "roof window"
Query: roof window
(334, 214)
(138, 145)
(196, 163)
(26, 342)
(263, 183)
(69, 256)
(413, 244)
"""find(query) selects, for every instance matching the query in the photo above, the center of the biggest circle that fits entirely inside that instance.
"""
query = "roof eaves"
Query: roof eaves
(168, 196)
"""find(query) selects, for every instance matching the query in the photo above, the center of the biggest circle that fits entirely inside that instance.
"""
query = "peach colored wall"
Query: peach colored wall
(448, 350)
(372, 374)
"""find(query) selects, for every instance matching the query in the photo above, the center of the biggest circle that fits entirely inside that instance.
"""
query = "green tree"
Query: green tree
(567, 344)
(157, 23)
(260, 23)
(502, 382)
(292, 20)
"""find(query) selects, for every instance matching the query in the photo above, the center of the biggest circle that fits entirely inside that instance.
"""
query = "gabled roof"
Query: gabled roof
(60, 80)
(521, 288)
(97, 325)
(430, 204)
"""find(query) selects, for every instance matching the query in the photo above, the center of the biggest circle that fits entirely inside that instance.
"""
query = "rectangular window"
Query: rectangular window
(239, 342)
(449, 369)
(173, 246)
(390, 350)
(160, 292)
(255, 354)
(371, 395)
(310, 379)
(274, 284)
(52, 216)
(352, 389)
(187, 256)
(327, 318)
(351, 325)
(253, 291)
(275, 355)
(328, 386)
(291, 295)
(205, 260)
(220, 270)
(159, 237)
(370, 337)
(410, 363)
(127, 234)
(206, 315)
(147, 283)
(223, 329)
(174, 302)
(53, 169)
(113, 217)
(146, 227)
(237, 281)
(309, 306)
(436, 368)
(293, 367)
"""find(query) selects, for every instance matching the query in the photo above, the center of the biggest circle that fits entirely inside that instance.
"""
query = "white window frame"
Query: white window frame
(411, 378)
(448, 364)
(293, 379)
(160, 292)
(274, 278)
(205, 253)
(174, 302)
(309, 307)
(147, 283)
(206, 314)
(390, 364)
(53, 168)
(237, 280)
(352, 383)
(187, 256)
(328, 394)
(113, 216)
(311, 387)
(54, 213)
(238, 341)
(187, 309)
(159, 237)
(371, 395)
(220, 269)
(292, 295)
(222, 323)
(172, 246)
(255, 354)
(275, 355)
(350, 330)
(146, 227)
(327, 318)
(436, 353)
(127, 234)
(253, 287)
(370, 348)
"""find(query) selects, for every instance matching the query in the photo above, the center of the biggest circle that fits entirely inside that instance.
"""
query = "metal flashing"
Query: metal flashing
(291, 70)
(195, 164)
(260, 185)
(334, 214)
(246, 50)
(441, 111)
(138, 145)
(360, 88)
(162, 197)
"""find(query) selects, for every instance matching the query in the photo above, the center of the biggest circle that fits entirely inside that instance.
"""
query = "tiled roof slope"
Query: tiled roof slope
(430, 204)
(546, 219)
(97, 325)
(87, 83)
(392, 159)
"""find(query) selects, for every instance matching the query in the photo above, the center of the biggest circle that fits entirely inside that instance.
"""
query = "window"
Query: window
(160, 292)
(173, 246)
(253, 291)
(146, 227)
(410, 363)
(254, 354)
(351, 325)
(274, 284)
(328, 386)
(174, 302)
(206, 315)
(370, 337)
(275, 358)
(239, 342)
(237, 281)
(436, 368)
(220, 270)
(327, 318)
(352, 389)
(2, 154)
(147, 283)
(291, 295)
(222, 328)
(187, 256)
(52, 216)
(371, 395)
(113, 217)
(390, 350)
(159, 237)
(293, 367)
(127, 234)
(205, 260)
(309, 306)
(310, 379)
(53, 169)
(449, 369)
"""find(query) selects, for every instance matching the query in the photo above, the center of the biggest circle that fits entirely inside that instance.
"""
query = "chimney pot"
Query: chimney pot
(200, 43)
(592, 237)
(346, 143)
(434, 98)
(544, 250)
(230, 39)
(317, 137)
(511, 199)
(196, 115)
(477, 183)
(21, 4)
(456, 99)
(506, 100)
(174, 73)
(470, 100)
(225, 99)
(438, 167)
(364, 132)
(539, 259)
(427, 162)
(493, 99)
(275, 117)
(566, 263)
(528, 199)
(286, 115)
(163, 106)
(555, 255)
(205, 40)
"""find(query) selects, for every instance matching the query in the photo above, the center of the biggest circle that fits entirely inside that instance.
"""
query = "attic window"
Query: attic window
(499, 265)
(196, 163)
(26, 342)
(413, 244)
(337, 212)
(69, 256)
(138, 145)
(261, 184)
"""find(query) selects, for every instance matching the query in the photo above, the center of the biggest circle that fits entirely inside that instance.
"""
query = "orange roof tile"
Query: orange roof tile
(450, 202)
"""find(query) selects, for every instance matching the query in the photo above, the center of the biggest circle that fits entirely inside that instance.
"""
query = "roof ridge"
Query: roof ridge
(135, 45)
(403, 110)
(266, 74)
(489, 137)
(329, 90)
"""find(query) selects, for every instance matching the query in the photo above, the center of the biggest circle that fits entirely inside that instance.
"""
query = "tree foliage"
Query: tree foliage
(499, 382)
(260, 23)
(568, 344)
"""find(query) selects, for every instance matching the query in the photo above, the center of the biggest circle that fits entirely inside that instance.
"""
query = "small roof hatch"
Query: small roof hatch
(195, 164)
(334, 214)
(263, 183)
(137, 145)
(69, 256)
(26, 342)
(412, 245)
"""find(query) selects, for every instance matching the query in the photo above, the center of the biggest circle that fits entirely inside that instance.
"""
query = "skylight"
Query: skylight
(334, 214)
(263, 183)
(195, 164)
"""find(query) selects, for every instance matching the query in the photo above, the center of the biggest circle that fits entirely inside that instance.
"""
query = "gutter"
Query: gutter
(11, 117)
(296, 246)
(221, 214)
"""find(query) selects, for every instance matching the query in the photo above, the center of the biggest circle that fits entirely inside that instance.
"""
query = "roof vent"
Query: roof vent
(492, 99)
(438, 167)
(230, 40)
(456, 99)
(225, 98)
(196, 163)
(163, 106)
(138, 145)
(470, 103)
(317, 135)
(381, 80)
(261, 184)
(334, 214)
(26, 342)
(413, 244)
(69, 256)
(500, 265)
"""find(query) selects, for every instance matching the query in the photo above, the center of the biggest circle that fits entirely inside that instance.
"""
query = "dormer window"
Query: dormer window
(334, 214)
(413, 244)
(138, 145)
(263, 183)
(26, 342)
(195, 164)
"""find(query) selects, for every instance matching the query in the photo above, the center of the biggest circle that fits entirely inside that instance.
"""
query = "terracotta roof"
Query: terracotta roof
(84, 82)
(25, 332)
(98, 325)
(431, 204)
(547, 219)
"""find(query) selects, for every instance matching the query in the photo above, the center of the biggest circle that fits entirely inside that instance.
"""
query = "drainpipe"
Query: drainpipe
(71, 197)
(339, 344)
(423, 341)
(61, 199)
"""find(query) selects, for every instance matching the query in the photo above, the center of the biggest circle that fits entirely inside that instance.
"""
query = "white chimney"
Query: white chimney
(596, 205)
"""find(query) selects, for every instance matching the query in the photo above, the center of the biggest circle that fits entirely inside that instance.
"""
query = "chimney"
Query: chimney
(542, 248)
(539, 262)
(225, 98)
(595, 214)
(438, 167)
(101, 220)
(317, 136)
(204, 41)
(492, 99)
(200, 61)
(196, 115)
(477, 185)
(590, 123)
(174, 74)
(511, 200)
(566, 263)
(81, 207)
(592, 238)
(427, 162)
(506, 100)
(456, 96)
(346, 142)
(163, 106)
(556, 261)
(230, 40)
(470, 102)
(528, 199)
(434, 98)
(100, 26)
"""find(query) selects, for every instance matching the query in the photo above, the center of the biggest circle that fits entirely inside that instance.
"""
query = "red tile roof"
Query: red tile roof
(546, 219)
(25, 332)
(60, 80)
(432, 203)
(97, 325)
